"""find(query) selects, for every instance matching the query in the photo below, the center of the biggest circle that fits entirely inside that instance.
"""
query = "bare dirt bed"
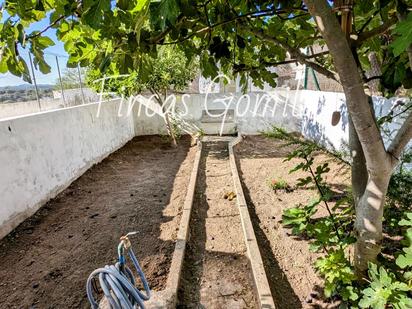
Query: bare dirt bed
(45, 262)
(288, 261)
(216, 272)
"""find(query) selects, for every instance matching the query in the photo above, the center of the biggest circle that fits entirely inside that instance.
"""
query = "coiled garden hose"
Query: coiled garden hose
(117, 281)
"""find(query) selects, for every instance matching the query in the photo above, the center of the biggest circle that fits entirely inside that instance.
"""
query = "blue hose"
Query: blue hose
(117, 281)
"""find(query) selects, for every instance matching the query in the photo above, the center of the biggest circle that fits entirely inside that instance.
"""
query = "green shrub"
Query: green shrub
(404, 259)
(385, 290)
(338, 274)
(386, 286)
(298, 217)
(400, 189)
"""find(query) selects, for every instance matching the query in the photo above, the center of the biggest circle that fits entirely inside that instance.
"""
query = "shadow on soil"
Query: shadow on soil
(282, 292)
(48, 258)
(189, 290)
(189, 294)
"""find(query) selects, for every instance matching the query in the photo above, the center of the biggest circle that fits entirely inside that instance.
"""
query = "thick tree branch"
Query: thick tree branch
(47, 28)
(294, 53)
(401, 139)
(165, 32)
(261, 13)
(356, 99)
(238, 68)
(277, 63)
(254, 14)
(363, 36)
(369, 79)
(55, 22)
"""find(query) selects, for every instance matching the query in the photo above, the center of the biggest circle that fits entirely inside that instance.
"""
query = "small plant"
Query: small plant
(330, 234)
(279, 184)
(200, 133)
(400, 188)
(338, 274)
(323, 235)
(385, 290)
(299, 217)
(404, 260)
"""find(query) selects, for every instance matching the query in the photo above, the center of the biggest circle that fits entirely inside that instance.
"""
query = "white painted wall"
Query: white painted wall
(280, 108)
(305, 111)
(318, 108)
(43, 153)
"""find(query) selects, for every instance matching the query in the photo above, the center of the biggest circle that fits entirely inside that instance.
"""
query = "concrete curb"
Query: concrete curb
(168, 297)
(258, 271)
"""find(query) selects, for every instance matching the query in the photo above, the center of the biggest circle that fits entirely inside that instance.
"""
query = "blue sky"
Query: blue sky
(9, 79)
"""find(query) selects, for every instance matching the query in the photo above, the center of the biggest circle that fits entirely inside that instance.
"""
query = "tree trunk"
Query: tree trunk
(369, 198)
(359, 172)
(368, 224)
(168, 123)
(369, 210)
(170, 130)
(379, 161)
(373, 72)
(169, 127)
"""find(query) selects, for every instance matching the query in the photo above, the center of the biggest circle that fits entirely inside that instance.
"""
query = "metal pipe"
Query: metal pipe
(80, 79)
(61, 83)
(34, 81)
